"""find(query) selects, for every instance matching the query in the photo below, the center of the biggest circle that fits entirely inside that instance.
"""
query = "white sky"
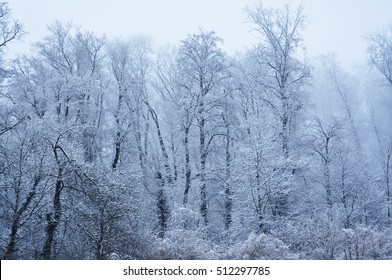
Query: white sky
(334, 25)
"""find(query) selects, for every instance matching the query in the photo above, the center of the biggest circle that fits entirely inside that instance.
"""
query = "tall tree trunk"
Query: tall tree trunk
(117, 149)
(187, 166)
(327, 181)
(174, 153)
(203, 156)
(117, 141)
(163, 209)
(53, 219)
(228, 193)
(169, 178)
(285, 129)
(388, 192)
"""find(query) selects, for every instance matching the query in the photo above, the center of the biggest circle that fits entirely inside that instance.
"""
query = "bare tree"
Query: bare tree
(204, 67)
(380, 52)
(281, 39)
(283, 80)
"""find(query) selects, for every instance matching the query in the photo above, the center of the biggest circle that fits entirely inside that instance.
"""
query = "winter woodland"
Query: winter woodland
(115, 149)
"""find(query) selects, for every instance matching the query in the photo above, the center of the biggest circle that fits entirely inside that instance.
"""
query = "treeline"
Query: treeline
(116, 150)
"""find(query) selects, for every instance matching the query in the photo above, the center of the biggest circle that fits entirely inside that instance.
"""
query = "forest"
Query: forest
(115, 149)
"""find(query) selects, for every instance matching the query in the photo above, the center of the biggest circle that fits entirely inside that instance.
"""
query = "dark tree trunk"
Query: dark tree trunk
(187, 167)
(387, 166)
(117, 141)
(169, 177)
(228, 195)
(117, 145)
(99, 250)
(53, 219)
(163, 209)
(203, 156)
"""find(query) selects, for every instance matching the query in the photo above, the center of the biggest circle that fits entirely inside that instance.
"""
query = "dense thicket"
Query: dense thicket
(113, 149)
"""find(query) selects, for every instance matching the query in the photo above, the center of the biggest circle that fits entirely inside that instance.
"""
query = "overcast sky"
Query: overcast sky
(334, 25)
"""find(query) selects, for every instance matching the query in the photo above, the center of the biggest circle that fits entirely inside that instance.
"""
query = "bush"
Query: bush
(182, 244)
(263, 247)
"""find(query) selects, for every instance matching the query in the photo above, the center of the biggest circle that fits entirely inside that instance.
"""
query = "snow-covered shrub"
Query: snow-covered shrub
(367, 243)
(263, 247)
(182, 217)
(182, 244)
